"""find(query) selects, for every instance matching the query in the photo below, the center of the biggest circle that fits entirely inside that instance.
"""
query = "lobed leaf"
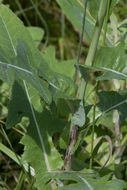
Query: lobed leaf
(39, 149)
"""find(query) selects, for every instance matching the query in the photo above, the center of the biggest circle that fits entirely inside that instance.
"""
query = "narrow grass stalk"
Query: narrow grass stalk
(42, 20)
(106, 22)
(62, 34)
(16, 156)
(93, 129)
(96, 34)
(92, 137)
(21, 10)
(27, 9)
(77, 73)
(20, 181)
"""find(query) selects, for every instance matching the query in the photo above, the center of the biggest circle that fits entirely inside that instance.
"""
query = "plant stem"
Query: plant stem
(43, 21)
(93, 127)
(93, 46)
(92, 137)
(97, 31)
(62, 34)
(74, 129)
(69, 152)
(19, 160)
(80, 43)
(106, 22)
(21, 10)
(90, 61)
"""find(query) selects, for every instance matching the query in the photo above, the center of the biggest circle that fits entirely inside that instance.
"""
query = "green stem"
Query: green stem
(106, 22)
(93, 45)
(18, 159)
(90, 61)
(77, 73)
(92, 138)
(43, 22)
(74, 129)
(97, 32)
(21, 10)
(62, 34)
(69, 152)
(93, 127)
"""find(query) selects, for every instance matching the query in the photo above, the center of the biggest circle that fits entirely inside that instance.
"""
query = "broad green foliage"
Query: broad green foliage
(9, 28)
(21, 109)
(93, 6)
(112, 61)
(86, 181)
(103, 185)
(79, 116)
(36, 34)
(61, 84)
(24, 57)
(22, 54)
(76, 15)
(42, 126)
(63, 67)
(113, 100)
(44, 92)
(15, 56)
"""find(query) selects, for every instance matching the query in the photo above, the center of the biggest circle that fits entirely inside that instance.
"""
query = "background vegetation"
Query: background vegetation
(59, 38)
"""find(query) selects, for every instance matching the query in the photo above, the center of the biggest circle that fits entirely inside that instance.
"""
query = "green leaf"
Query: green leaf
(25, 59)
(113, 100)
(110, 185)
(16, 110)
(79, 116)
(112, 61)
(36, 34)
(112, 5)
(72, 176)
(93, 6)
(9, 153)
(61, 67)
(76, 16)
(21, 66)
(61, 84)
(21, 59)
(39, 149)
(106, 120)
(88, 181)
(9, 34)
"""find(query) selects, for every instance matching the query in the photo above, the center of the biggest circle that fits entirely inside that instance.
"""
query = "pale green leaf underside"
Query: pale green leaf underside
(76, 16)
(112, 61)
(79, 116)
(84, 181)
